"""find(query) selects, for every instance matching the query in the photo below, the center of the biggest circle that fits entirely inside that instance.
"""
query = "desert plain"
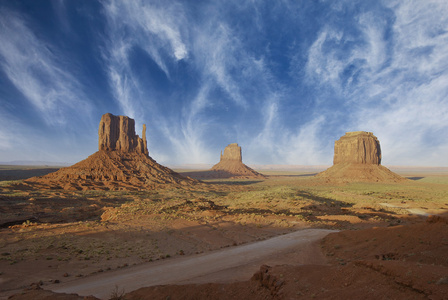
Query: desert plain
(390, 240)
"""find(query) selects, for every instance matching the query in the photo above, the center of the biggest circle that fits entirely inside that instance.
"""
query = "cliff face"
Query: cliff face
(232, 152)
(122, 163)
(357, 158)
(231, 165)
(118, 133)
(357, 147)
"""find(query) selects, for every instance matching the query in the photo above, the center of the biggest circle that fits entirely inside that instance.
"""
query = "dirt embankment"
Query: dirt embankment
(222, 266)
(399, 262)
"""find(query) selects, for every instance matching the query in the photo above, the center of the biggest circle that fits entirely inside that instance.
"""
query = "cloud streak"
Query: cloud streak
(136, 24)
(35, 70)
(284, 80)
(216, 55)
(368, 72)
(392, 76)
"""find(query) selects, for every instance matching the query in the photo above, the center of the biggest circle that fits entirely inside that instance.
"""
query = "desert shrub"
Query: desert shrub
(117, 294)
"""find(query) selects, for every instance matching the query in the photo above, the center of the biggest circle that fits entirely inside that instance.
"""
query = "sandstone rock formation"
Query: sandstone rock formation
(357, 157)
(122, 163)
(118, 133)
(357, 147)
(231, 165)
(232, 152)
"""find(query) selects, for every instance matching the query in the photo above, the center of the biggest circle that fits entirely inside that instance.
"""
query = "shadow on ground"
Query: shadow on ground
(415, 178)
(24, 173)
(18, 209)
(295, 175)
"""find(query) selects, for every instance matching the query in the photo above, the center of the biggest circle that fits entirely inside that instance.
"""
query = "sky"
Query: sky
(283, 79)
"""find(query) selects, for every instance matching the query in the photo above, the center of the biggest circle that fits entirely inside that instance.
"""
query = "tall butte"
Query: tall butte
(122, 162)
(357, 157)
(231, 165)
(118, 133)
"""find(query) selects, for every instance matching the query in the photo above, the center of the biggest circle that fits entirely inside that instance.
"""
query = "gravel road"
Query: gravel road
(224, 265)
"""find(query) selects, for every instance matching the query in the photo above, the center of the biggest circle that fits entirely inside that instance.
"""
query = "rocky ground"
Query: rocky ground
(383, 252)
(110, 170)
(400, 262)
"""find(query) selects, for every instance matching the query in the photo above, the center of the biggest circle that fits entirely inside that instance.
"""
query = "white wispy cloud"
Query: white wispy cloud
(375, 53)
(210, 45)
(218, 52)
(388, 71)
(305, 147)
(7, 138)
(415, 86)
(157, 29)
(323, 65)
(267, 141)
(13, 138)
(187, 134)
(154, 28)
(397, 85)
(20, 141)
(160, 31)
(163, 22)
(37, 71)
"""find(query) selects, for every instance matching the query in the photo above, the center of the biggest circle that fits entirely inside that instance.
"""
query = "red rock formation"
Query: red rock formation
(118, 133)
(231, 165)
(122, 163)
(357, 147)
(232, 152)
(357, 157)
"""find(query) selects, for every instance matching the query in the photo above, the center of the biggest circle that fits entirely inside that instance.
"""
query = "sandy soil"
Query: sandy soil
(222, 266)
(385, 249)
(401, 262)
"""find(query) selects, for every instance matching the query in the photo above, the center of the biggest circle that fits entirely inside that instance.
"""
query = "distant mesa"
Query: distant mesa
(121, 163)
(357, 157)
(230, 166)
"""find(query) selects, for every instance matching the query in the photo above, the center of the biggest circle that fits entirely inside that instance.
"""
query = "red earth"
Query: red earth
(397, 262)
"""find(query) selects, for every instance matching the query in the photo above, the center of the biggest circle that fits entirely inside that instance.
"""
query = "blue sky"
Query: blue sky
(284, 79)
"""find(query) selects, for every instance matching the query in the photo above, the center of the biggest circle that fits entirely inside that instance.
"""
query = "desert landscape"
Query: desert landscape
(118, 225)
(223, 149)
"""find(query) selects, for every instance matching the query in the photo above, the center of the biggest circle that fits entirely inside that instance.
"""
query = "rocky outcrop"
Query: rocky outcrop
(122, 163)
(118, 133)
(232, 152)
(357, 147)
(231, 165)
(357, 157)
(268, 280)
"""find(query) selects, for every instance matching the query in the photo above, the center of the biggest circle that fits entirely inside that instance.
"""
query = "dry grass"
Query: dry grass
(94, 231)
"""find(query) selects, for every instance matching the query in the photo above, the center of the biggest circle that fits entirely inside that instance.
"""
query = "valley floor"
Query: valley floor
(55, 236)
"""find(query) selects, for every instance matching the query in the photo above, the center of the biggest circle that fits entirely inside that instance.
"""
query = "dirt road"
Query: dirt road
(225, 265)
